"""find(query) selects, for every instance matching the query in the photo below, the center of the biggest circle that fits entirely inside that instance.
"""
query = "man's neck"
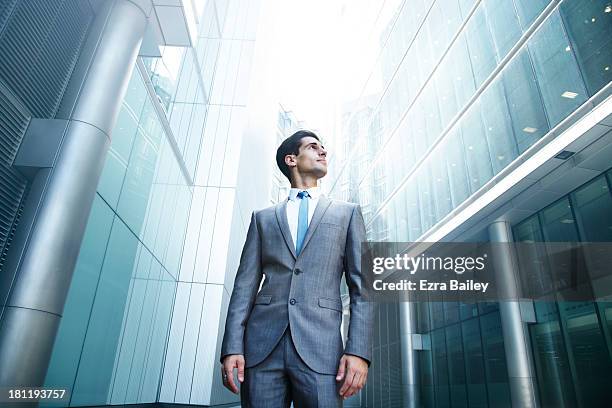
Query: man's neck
(305, 183)
(303, 186)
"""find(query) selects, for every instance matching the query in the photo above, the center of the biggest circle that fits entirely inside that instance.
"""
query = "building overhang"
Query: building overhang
(170, 23)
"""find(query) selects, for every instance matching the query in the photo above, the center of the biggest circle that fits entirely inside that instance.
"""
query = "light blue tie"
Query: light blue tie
(302, 220)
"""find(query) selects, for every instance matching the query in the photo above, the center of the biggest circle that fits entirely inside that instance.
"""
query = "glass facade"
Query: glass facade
(487, 89)
(112, 338)
(460, 90)
(571, 341)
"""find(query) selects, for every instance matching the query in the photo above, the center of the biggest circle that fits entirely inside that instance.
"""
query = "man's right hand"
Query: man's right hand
(227, 371)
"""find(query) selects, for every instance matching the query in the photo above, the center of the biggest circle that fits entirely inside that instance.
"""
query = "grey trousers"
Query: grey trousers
(283, 377)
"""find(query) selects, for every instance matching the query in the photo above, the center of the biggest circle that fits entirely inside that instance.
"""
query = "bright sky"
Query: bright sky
(319, 53)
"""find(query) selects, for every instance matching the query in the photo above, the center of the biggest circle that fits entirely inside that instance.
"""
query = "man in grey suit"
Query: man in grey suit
(285, 340)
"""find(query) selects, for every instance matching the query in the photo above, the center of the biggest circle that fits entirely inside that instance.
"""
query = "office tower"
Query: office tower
(494, 126)
(287, 125)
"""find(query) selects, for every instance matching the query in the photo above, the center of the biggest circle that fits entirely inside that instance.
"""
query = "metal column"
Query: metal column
(59, 210)
(410, 378)
(521, 372)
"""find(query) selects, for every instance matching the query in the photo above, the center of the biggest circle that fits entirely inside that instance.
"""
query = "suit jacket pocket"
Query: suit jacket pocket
(263, 300)
(328, 303)
(331, 225)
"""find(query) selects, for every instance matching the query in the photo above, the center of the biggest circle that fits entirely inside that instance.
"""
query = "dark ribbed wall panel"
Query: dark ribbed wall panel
(14, 121)
(40, 41)
(39, 46)
(6, 6)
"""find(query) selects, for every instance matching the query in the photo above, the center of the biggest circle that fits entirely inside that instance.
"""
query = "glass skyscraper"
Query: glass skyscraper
(490, 121)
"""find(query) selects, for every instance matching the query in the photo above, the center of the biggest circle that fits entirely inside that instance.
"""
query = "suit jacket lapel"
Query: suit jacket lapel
(281, 218)
(322, 206)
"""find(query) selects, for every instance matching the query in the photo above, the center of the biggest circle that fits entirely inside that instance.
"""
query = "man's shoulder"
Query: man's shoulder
(346, 205)
(270, 210)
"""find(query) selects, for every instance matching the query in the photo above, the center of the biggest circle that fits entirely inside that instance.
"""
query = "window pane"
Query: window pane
(589, 26)
(593, 208)
(441, 187)
(550, 358)
(524, 101)
(474, 364)
(504, 24)
(463, 77)
(438, 349)
(456, 366)
(495, 360)
(558, 222)
(480, 44)
(456, 167)
(101, 343)
(528, 10)
(556, 70)
(498, 128)
(475, 147)
(587, 349)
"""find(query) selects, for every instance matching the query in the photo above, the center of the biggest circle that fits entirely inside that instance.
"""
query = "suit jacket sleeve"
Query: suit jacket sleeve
(246, 284)
(359, 341)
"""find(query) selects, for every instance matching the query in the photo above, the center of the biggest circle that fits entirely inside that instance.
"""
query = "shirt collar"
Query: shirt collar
(315, 192)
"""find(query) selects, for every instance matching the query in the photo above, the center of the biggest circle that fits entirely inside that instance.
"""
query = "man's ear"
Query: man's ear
(290, 160)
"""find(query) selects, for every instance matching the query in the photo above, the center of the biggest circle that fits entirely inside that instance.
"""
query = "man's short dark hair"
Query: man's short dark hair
(291, 145)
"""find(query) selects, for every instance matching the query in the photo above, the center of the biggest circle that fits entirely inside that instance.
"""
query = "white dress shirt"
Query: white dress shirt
(293, 208)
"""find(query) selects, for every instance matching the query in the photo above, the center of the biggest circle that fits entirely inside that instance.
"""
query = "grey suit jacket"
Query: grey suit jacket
(302, 291)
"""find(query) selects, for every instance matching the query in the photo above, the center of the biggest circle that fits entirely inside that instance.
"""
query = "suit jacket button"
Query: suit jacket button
(292, 301)
(297, 271)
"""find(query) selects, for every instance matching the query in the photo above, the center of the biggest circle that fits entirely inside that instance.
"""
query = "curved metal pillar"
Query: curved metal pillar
(59, 214)
(521, 373)
(410, 379)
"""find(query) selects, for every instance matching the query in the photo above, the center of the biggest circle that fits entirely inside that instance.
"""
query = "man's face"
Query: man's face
(311, 158)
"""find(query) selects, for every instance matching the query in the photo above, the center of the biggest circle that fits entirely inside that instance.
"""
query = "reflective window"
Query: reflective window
(441, 187)
(426, 198)
(498, 127)
(480, 44)
(429, 109)
(525, 106)
(588, 352)
(556, 70)
(445, 93)
(476, 151)
(101, 341)
(452, 149)
(558, 223)
(440, 365)
(592, 204)
(466, 6)
(456, 367)
(461, 72)
(118, 156)
(504, 24)
(495, 360)
(426, 382)
(528, 10)
(474, 364)
(589, 27)
(550, 358)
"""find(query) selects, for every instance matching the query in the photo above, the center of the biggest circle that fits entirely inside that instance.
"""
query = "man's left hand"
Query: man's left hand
(354, 370)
